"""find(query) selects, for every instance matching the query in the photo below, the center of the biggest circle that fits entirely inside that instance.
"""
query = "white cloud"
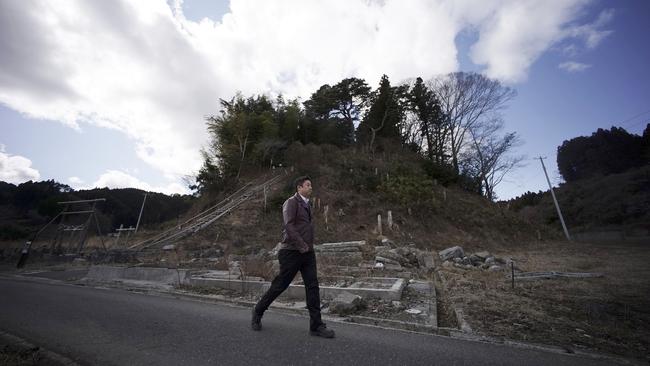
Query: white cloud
(16, 169)
(513, 36)
(570, 50)
(75, 181)
(571, 66)
(591, 33)
(119, 179)
(142, 68)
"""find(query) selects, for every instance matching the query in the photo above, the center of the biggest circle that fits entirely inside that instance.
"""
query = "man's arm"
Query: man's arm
(289, 216)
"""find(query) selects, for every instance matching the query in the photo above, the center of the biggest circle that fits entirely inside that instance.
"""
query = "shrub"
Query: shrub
(411, 190)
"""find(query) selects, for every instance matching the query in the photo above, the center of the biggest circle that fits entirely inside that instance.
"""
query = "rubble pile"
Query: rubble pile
(344, 253)
(484, 260)
(402, 257)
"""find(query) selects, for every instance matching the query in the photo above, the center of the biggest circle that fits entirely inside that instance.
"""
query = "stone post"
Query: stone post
(327, 208)
(379, 225)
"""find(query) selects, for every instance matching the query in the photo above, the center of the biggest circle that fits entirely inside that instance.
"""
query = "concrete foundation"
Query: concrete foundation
(380, 287)
(166, 276)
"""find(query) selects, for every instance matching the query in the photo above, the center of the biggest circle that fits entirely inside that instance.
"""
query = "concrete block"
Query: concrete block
(450, 253)
(482, 255)
(346, 303)
(342, 246)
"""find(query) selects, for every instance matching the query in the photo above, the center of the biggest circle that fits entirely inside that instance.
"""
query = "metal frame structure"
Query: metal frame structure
(63, 228)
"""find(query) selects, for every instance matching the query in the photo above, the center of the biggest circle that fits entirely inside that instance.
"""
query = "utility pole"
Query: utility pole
(557, 206)
(140, 215)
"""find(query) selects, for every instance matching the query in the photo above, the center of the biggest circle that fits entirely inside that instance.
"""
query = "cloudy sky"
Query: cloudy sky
(100, 93)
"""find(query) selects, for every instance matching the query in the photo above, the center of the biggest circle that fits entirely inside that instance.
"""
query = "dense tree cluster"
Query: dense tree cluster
(26, 207)
(452, 121)
(604, 152)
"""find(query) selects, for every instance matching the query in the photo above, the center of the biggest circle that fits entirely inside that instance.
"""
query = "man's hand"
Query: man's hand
(303, 248)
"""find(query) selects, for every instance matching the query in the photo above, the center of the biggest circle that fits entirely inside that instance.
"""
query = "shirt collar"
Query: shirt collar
(303, 198)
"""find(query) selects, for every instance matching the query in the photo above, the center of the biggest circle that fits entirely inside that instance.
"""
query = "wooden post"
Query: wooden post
(119, 233)
(379, 224)
(390, 220)
(444, 194)
(264, 198)
(376, 171)
(325, 213)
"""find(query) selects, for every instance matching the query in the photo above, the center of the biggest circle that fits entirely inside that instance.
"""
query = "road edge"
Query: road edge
(21, 344)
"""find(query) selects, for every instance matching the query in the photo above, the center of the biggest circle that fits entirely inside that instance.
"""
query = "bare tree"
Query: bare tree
(411, 131)
(374, 131)
(489, 154)
(467, 99)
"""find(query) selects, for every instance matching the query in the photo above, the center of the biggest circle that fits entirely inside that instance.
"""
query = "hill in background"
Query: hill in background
(606, 189)
(616, 202)
(27, 207)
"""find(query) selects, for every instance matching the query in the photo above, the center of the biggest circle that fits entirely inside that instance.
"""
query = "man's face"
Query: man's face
(305, 189)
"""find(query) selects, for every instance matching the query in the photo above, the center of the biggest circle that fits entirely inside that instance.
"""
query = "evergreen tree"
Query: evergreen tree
(432, 121)
(604, 152)
(385, 115)
(332, 111)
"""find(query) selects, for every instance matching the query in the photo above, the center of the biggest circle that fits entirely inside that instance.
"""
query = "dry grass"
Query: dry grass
(609, 314)
(257, 268)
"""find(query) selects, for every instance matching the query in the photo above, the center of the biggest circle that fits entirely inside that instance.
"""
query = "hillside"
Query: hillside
(356, 188)
(616, 202)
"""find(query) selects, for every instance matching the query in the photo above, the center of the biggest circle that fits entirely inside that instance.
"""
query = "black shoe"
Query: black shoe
(322, 331)
(256, 321)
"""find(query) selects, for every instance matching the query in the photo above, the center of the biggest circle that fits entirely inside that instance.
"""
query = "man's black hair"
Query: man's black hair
(300, 181)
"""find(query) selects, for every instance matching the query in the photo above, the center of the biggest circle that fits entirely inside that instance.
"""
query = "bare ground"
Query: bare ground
(610, 314)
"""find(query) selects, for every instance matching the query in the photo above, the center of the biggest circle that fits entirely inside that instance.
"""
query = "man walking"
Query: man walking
(296, 254)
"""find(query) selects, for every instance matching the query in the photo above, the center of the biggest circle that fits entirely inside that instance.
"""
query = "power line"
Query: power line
(638, 123)
(631, 118)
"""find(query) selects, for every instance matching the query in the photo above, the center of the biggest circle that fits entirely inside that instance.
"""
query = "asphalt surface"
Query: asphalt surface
(96, 326)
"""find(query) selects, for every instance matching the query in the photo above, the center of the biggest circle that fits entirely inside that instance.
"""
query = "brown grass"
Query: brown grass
(609, 314)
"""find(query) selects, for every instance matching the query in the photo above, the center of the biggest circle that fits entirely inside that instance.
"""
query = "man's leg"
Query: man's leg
(289, 266)
(309, 277)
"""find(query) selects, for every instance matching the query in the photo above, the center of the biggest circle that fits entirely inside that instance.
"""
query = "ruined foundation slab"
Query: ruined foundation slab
(167, 276)
(380, 287)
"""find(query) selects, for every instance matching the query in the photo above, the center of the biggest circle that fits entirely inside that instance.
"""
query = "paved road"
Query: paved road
(117, 327)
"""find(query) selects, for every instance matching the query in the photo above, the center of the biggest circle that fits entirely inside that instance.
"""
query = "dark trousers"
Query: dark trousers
(292, 261)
